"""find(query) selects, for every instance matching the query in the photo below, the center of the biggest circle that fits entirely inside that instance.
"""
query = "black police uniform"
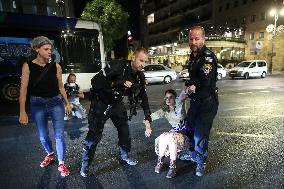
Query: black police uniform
(204, 103)
(108, 103)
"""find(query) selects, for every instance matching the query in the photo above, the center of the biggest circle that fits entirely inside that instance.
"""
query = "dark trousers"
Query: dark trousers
(98, 115)
(200, 118)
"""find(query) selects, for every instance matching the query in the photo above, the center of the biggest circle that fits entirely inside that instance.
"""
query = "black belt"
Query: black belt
(211, 97)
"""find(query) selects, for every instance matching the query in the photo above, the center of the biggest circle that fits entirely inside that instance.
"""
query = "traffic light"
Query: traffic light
(129, 38)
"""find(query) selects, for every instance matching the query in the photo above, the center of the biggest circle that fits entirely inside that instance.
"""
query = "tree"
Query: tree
(110, 16)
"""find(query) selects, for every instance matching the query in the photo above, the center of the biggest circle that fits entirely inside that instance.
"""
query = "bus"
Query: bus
(78, 48)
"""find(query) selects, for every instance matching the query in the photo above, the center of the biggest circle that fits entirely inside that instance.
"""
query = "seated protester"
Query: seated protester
(174, 141)
(74, 94)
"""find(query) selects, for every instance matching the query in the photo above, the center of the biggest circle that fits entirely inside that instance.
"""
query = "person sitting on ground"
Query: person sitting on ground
(174, 141)
(74, 94)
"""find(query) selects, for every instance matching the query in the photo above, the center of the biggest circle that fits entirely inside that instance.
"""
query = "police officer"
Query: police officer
(204, 103)
(119, 78)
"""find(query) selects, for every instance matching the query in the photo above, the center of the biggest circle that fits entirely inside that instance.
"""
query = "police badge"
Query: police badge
(206, 69)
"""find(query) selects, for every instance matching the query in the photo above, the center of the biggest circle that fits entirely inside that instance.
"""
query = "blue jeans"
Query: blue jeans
(41, 109)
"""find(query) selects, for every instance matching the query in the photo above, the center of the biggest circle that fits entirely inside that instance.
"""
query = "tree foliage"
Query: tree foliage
(110, 16)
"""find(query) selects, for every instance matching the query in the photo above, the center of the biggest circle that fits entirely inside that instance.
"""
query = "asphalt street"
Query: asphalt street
(245, 148)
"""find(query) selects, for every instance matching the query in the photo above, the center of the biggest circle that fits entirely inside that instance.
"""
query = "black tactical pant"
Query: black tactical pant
(98, 115)
(199, 120)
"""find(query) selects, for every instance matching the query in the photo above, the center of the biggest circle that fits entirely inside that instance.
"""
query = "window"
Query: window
(150, 18)
(261, 64)
(252, 18)
(220, 9)
(262, 16)
(261, 35)
(227, 6)
(251, 36)
(236, 3)
(244, 20)
(252, 65)
(51, 11)
(158, 68)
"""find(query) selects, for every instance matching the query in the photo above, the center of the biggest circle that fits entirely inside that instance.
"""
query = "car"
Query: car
(184, 75)
(155, 73)
(249, 68)
(221, 72)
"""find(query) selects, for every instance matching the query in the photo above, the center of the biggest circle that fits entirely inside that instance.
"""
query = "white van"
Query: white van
(249, 68)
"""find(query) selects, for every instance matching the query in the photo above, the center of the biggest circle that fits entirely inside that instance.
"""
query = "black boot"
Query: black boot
(124, 157)
(172, 171)
(159, 165)
(89, 149)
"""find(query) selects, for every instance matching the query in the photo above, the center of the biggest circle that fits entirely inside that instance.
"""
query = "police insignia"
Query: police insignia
(209, 59)
(206, 68)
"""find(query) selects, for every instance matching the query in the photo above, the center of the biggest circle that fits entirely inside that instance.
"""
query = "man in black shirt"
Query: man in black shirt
(119, 78)
(204, 103)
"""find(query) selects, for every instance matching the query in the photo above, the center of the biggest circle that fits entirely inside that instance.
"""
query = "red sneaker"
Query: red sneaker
(47, 160)
(62, 168)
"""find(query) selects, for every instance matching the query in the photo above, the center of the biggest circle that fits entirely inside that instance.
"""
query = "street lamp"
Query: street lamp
(273, 31)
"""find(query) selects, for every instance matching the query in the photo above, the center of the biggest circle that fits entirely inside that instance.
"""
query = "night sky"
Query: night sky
(132, 7)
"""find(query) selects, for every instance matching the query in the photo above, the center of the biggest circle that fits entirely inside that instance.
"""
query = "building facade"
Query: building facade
(235, 29)
(254, 16)
(61, 8)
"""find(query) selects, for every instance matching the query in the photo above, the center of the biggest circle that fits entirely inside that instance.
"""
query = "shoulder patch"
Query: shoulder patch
(206, 68)
(208, 59)
(207, 52)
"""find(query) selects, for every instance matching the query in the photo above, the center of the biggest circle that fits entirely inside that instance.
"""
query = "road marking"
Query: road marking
(236, 108)
(238, 117)
(265, 91)
(246, 107)
(245, 135)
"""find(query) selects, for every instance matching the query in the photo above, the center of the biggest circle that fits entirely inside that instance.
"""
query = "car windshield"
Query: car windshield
(244, 64)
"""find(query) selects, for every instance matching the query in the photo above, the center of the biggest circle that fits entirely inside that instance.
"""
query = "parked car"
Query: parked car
(184, 75)
(249, 68)
(221, 72)
(159, 73)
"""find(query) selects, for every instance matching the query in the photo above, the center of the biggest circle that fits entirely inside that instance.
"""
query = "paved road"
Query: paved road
(245, 150)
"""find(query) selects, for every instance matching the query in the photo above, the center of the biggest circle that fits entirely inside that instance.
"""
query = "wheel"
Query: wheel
(10, 90)
(263, 75)
(219, 76)
(167, 79)
(246, 76)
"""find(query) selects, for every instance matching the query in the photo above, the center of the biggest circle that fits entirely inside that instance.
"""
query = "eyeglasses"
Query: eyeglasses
(169, 97)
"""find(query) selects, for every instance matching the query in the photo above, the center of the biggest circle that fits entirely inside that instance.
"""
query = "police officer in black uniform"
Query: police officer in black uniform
(204, 103)
(119, 78)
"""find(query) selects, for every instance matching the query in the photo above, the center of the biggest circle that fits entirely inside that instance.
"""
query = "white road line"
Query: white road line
(237, 117)
(236, 108)
(246, 107)
(250, 116)
(265, 91)
(246, 135)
